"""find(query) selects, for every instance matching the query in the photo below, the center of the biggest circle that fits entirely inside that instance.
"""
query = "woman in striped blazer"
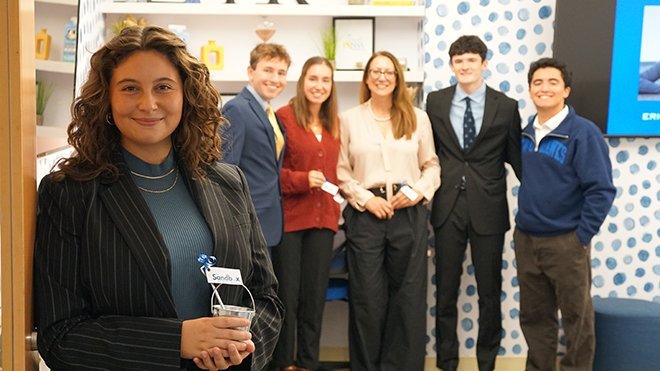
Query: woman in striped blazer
(120, 224)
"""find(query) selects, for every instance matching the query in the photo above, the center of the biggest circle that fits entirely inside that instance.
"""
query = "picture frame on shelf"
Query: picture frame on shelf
(355, 42)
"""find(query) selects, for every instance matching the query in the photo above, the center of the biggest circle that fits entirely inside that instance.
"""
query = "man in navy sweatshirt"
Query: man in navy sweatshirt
(565, 194)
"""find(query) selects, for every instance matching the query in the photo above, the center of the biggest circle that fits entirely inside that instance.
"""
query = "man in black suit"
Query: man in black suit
(476, 129)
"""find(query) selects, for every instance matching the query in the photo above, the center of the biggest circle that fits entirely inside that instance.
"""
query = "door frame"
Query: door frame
(17, 180)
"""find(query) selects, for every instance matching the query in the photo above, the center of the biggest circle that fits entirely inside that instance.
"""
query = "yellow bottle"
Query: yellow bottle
(213, 56)
(42, 46)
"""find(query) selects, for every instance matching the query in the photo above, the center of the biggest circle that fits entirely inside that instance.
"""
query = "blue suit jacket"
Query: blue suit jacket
(249, 142)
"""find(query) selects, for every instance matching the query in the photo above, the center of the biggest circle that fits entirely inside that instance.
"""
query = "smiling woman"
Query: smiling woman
(387, 170)
(119, 225)
(311, 213)
(146, 96)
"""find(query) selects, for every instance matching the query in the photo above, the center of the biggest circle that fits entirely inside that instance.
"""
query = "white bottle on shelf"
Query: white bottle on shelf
(70, 36)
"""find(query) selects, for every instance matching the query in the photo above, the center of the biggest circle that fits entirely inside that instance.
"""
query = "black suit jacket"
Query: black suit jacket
(498, 141)
(102, 272)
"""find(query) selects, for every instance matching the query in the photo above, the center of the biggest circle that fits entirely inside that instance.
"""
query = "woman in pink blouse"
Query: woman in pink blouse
(311, 214)
(388, 170)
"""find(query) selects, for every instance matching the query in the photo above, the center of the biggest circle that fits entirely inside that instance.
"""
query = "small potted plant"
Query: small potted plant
(329, 44)
(44, 91)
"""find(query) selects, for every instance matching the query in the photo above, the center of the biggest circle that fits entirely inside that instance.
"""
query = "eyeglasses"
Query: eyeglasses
(376, 74)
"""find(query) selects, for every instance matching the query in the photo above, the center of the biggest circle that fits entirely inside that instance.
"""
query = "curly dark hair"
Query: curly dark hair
(551, 63)
(468, 44)
(196, 139)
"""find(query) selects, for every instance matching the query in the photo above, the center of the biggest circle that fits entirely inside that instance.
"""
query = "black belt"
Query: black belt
(382, 191)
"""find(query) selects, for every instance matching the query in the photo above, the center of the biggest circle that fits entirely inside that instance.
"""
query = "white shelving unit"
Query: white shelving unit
(217, 7)
(55, 66)
(298, 27)
(52, 15)
(340, 76)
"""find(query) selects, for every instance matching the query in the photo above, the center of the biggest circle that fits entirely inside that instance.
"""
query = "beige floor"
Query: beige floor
(465, 364)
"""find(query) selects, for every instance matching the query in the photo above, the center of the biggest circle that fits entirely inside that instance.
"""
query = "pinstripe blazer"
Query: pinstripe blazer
(102, 272)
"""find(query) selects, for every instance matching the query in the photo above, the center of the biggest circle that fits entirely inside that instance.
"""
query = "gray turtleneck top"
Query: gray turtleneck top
(182, 227)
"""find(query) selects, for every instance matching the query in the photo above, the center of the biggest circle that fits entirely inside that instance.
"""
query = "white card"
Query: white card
(338, 198)
(409, 192)
(225, 276)
(330, 188)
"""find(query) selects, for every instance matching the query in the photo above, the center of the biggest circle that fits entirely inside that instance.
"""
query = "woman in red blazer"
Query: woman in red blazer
(311, 214)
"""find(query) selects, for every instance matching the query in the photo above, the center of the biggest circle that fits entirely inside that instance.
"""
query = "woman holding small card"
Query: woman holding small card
(388, 170)
(311, 214)
(121, 223)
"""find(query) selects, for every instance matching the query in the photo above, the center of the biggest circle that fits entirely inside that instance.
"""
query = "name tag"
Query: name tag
(409, 192)
(330, 188)
(225, 276)
(338, 198)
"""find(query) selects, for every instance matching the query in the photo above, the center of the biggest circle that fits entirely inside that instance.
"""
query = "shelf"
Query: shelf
(55, 66)
(216, 7)
(46, 145)
(292, 76)
(45, 131)
(58, 2)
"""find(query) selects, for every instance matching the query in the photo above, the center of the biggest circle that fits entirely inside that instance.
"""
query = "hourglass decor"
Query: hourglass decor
(275, 1)
(265, 30)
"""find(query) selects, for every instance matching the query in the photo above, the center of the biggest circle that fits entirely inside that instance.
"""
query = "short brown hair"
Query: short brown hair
(268, 51)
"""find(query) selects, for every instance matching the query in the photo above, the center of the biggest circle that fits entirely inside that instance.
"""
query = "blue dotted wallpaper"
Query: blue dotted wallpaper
(626, 252)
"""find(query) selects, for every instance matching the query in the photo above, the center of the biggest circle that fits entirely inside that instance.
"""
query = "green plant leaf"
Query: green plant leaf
(329, 43)
(44, 91)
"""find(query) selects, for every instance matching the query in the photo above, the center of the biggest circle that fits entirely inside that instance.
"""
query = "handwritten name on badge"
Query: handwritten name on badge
(225, 276)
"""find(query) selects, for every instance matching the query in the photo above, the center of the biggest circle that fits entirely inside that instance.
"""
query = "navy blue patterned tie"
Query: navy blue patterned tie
(469, 129)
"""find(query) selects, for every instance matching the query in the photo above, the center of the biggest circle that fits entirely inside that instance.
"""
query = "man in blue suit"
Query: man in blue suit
(254, 139)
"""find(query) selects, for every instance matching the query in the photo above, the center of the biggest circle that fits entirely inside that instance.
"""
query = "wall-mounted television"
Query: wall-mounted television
(613, 49)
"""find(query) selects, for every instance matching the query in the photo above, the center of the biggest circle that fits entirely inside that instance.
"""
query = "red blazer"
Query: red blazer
(305, 208)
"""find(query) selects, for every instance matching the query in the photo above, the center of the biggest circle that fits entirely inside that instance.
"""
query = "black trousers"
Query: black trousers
(450, 243)
(387, 274)
(301, 263)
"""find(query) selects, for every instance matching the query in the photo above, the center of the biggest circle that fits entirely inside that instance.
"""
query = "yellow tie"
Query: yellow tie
(279, 138)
